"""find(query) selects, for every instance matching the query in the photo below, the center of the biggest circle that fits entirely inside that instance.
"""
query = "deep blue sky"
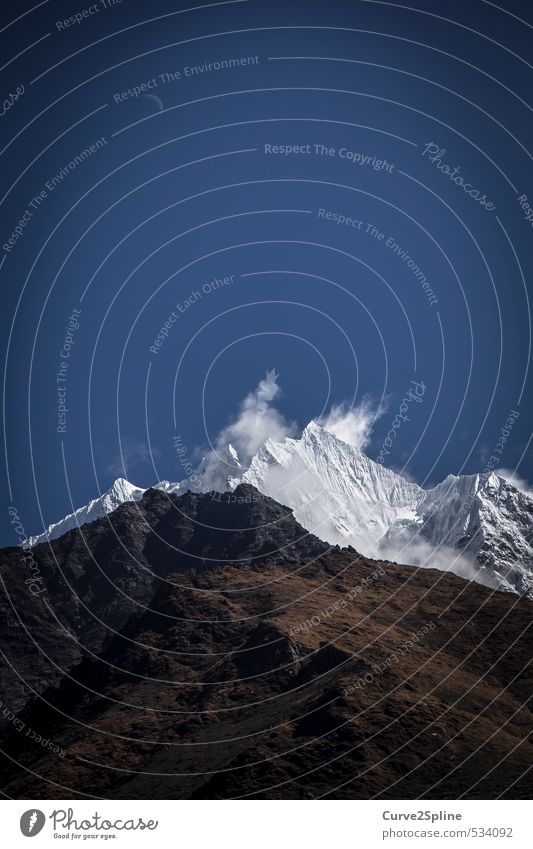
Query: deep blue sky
(184, 196)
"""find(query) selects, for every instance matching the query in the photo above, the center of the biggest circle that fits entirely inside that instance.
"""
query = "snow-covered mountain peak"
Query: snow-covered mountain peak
(120, 492)
(165, 486)
(314, 430)
(233, 455)
(334, 489)
(343, 496)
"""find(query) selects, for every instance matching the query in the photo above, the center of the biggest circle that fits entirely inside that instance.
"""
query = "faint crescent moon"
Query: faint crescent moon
(157, 101)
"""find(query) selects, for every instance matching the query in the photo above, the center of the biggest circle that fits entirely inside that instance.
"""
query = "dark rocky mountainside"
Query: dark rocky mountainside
(207, 646)
(68, 597)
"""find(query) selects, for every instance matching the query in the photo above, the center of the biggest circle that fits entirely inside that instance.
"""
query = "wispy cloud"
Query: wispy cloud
(352, 424)
(131, 456)
(257, 420)
(514, 478)
(418, 552)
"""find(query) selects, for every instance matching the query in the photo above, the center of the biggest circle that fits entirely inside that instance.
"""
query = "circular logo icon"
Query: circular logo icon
(32, 822)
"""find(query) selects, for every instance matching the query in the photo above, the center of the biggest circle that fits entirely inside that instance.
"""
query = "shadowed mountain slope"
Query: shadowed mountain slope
(237, 655)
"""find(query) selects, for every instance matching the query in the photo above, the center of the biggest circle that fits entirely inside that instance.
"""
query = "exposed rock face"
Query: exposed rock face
(219, 650)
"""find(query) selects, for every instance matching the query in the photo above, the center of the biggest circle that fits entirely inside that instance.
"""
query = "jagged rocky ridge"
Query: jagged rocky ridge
(202, 646)
(479, 526)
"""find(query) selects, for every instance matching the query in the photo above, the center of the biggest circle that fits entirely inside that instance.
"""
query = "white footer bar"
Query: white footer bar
(256, 824)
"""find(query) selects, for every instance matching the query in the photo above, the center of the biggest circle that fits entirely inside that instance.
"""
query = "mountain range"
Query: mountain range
(207, 646)
(479, 526)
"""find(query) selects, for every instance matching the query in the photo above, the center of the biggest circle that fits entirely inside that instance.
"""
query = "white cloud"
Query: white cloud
(418, 552)
(256, 421)
(352, 424)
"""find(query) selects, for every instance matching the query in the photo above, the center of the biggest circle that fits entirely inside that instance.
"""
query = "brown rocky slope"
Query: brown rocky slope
(264, 664)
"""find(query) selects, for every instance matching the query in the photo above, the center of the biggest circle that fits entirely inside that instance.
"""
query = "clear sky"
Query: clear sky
(336, 191)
